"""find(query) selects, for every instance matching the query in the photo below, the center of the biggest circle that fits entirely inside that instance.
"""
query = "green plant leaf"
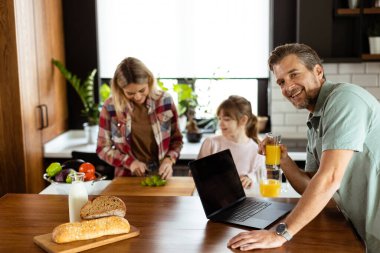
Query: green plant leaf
(85, 91)
(105, 92)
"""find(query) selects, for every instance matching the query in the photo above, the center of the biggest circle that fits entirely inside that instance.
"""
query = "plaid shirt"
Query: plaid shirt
(114, 139)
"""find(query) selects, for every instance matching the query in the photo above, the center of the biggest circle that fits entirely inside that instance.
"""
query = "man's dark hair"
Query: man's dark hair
(305, 53)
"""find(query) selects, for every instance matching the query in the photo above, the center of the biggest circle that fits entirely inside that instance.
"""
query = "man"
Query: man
(343, 151)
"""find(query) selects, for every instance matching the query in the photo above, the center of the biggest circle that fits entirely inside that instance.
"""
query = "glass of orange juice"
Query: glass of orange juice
(270, 182)
(272, 150)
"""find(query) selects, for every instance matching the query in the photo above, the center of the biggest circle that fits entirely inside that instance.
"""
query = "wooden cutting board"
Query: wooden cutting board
(45, 242)
(131, 186)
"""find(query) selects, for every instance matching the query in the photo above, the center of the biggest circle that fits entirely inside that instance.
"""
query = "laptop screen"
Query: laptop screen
(217, 181)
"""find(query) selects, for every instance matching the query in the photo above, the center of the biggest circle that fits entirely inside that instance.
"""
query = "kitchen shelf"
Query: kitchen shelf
(356, 11)
(348, 12)
(371, 11)
(371, 57)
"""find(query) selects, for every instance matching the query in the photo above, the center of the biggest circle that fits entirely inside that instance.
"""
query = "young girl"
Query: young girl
(240, 135)
(138, 125)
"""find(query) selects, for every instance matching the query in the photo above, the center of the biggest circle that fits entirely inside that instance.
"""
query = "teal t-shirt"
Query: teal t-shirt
(347, 117)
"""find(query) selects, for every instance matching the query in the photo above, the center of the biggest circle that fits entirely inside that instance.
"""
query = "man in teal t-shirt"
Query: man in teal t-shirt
(343, 151)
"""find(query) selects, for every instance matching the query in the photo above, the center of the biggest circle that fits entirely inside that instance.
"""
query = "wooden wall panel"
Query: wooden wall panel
(11, 138)
(28, 82)
(30, 35)
(49, 45)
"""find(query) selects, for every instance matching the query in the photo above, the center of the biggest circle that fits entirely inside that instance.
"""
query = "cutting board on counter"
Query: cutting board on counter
(45, 242)
(131, 186)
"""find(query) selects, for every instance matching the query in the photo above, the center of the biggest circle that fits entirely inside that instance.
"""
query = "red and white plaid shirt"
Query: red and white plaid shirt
(114, 139)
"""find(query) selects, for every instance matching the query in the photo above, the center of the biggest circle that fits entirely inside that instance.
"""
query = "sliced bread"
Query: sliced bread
(103, 206)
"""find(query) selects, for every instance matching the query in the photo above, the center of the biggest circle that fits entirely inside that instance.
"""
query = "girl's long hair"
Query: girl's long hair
(236, 107)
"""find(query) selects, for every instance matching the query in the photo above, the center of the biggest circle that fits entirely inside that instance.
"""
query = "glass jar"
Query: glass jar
(78, 196)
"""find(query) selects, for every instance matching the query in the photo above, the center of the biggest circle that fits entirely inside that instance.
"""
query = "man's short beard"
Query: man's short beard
(309, 100)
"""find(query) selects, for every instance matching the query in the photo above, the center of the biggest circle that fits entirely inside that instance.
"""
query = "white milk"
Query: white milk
(77, 197)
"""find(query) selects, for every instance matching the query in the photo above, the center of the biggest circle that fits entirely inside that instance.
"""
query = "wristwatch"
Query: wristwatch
(282, 229)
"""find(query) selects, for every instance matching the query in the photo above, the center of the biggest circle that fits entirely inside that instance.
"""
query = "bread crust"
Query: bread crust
(90, 229)
(103, 206)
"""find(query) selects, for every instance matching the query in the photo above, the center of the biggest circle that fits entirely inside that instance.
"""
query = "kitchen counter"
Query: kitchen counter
(64, 144)
(167, 224)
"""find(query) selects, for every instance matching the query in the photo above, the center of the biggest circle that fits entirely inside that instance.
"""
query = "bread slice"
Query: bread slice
(103, 206)
(90, 229)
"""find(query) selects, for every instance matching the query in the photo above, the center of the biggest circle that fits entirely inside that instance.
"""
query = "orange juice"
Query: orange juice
(270, 187)
(273, 154)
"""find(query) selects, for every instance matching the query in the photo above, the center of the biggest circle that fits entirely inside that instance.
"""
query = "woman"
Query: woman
(138, 125)
(240, 135)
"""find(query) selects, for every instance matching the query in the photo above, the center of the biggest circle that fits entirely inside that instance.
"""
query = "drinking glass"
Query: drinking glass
(78, 196)
(270, 179)
(272, 150)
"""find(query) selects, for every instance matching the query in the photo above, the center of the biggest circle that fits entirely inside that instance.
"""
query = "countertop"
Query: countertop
(167, 224)
(64, 144)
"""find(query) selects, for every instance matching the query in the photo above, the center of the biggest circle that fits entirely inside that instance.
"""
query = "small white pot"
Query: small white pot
(91, 133)
(374, 45)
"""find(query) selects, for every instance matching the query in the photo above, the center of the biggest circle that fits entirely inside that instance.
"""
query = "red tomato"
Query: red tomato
(87, 168)
(89, 177)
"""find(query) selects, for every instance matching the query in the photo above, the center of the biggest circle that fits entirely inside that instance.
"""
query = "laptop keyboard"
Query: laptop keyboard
(247, 209)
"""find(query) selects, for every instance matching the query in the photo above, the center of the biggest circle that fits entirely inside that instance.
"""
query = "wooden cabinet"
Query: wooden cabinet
(336, 32)
(33, 93)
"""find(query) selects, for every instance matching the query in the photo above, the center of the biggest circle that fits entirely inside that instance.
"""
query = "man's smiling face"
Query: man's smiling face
(298, 84)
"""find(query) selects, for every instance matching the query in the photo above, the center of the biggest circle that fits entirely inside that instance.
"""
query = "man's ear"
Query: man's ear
(318, 71)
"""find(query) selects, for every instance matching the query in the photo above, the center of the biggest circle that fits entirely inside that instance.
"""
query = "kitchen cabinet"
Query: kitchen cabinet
(336, 32)
(33, 97)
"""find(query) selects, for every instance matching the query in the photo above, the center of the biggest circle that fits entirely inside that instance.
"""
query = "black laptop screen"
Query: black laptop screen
(217, 181)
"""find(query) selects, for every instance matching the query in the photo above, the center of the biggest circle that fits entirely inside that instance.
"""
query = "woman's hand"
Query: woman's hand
(246, 181)
(256, 239)
(166, 168)
(138, 168)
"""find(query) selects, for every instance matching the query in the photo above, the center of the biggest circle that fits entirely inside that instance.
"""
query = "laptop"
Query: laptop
(223, 197)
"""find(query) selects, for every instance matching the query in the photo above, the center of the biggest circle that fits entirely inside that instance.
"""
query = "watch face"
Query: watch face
(281, 228)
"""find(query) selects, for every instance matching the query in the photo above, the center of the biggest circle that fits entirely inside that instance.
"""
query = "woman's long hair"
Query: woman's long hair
(130, 70)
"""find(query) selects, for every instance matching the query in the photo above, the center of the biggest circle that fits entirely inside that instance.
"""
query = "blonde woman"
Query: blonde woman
(240, 135)
(138, 125)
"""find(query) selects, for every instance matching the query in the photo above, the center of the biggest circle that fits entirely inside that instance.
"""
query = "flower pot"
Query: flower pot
(374, 45)
(91, 133)
(194, 137)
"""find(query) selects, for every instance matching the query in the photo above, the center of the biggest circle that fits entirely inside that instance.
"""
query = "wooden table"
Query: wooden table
(130, 186)
(167, 224)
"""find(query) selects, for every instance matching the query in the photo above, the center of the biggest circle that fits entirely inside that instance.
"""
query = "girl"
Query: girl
(138, 125)
(240, 135)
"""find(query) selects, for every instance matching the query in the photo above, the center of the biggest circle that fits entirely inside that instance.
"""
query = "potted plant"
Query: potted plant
(85, 91)
(187, 102)
(374, 38)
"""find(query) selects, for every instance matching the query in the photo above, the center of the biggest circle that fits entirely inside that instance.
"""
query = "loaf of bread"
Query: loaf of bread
(90, 229)
(103, 206)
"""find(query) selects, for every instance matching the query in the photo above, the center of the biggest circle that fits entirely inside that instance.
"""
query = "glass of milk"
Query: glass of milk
(78, 196)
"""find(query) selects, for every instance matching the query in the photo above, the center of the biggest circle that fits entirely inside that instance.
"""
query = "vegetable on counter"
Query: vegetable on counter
(53, 169)
(89, 171)
(154, 180)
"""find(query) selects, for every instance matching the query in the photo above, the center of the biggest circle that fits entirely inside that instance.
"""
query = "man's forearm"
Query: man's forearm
(297, 178)
(314, 199)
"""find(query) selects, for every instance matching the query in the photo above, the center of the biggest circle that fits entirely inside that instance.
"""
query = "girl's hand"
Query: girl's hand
(166, 168)
(246, 181)
(138, 168)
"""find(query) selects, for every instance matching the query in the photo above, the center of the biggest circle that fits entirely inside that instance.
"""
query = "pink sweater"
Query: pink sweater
(245, 155)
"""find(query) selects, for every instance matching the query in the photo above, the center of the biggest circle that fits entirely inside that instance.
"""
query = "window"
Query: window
(221, 44)
(186, 38)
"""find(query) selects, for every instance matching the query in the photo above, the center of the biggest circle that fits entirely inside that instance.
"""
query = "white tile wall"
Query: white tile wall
(291, 122)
